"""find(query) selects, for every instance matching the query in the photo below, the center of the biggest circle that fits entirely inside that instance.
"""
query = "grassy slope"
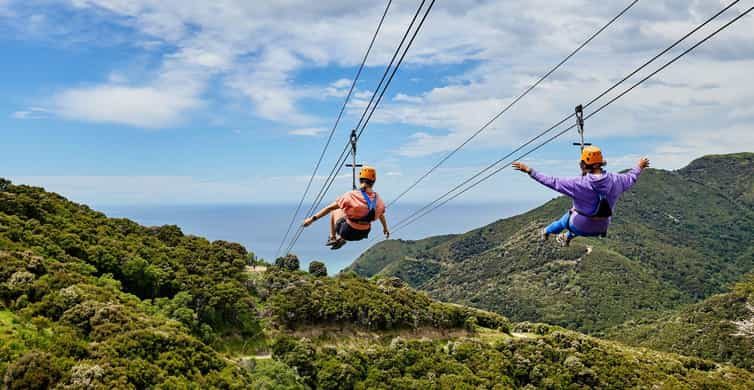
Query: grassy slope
(677, 238)
(577, 287)
(533, 356)
(715, 328)
(723, 172)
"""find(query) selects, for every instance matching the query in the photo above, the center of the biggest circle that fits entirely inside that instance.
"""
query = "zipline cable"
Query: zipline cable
(395, 70)
(335, 126)
(624, 79)
(407, 221)
(344, 154)
(364, 120)
(346, 149)
(511, 104)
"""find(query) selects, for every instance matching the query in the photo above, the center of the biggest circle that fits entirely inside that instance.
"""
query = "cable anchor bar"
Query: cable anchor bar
(354, 165)
(580, 125)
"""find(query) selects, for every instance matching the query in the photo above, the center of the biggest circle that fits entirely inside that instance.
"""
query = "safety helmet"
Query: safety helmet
(368, 173)
(592, 155)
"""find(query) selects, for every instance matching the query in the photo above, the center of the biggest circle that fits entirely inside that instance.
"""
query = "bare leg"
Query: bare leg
(332, 226)
(335, 216)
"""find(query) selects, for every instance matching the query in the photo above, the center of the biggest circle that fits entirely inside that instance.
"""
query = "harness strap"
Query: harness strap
(603, 210)
(372, 204)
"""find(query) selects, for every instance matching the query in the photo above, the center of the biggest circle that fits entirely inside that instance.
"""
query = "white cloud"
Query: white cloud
(342, 83)
(733, 139)
(401, 97)
(308, 131)
(148, 107)
(266, 84)
(31, 113)
(257, 49)
(703, 90)
(338, 88)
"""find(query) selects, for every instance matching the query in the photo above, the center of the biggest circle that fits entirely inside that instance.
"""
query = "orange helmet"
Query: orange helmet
(592, 155)
(368, 173)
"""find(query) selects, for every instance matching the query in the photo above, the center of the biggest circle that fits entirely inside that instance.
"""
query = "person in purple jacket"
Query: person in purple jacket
(594, 195)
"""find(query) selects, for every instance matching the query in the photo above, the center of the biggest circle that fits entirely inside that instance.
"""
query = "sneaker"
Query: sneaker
(331, 241)
(564, 239)
(338, 244)
(543, 235)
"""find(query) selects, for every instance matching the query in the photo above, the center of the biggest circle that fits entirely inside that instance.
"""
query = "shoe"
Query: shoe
(331, 241)
(564, 239)
(338, 244)
(543, 235)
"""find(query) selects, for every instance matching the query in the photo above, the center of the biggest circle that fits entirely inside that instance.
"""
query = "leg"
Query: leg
(339, 240)
(332, 226)
(559, 225)
(334, 217)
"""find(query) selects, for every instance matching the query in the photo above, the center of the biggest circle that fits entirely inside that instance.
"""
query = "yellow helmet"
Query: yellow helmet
(368, 173)
(592, 155)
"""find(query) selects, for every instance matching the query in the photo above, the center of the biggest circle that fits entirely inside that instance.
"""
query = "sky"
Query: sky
(231, 101)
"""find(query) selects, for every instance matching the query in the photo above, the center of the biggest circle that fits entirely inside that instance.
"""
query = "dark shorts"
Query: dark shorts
(349, 233)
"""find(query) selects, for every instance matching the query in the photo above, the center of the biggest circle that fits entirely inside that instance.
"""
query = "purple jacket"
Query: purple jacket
(586, 199)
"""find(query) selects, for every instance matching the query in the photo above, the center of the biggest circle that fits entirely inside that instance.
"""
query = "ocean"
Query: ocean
(260, 228)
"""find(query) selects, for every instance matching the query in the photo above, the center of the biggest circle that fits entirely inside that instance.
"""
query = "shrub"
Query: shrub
(288, 262)
(34, 370)
(317, 268)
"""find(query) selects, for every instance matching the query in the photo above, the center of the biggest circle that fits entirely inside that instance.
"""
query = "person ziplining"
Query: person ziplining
(352, 213)
(594, 195)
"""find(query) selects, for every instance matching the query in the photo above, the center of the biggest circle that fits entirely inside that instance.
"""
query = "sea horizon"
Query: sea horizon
(260, 226)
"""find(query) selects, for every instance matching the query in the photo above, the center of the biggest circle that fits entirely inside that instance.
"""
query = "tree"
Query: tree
(289, 262)
(251, 259)
(34, 370)
(317, 268)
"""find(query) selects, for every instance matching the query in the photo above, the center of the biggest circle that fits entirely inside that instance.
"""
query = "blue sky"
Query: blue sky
(127, 102)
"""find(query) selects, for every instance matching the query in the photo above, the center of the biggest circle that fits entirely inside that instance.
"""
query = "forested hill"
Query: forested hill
(93, 302)
(720, 328)
(677, 238)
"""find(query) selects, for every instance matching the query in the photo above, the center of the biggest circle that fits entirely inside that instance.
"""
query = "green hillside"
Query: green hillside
(531, 357)
(677, 238)
(720, 328)
(88, 301)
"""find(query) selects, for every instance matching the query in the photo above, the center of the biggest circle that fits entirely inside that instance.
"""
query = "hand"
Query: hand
(644, 163)
(387, 234)
(308, 221)
(519, 166)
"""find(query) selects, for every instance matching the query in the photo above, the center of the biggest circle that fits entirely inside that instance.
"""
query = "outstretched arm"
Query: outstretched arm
(564, 186)
(327, 210)
(385, 230)
(629, 178)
